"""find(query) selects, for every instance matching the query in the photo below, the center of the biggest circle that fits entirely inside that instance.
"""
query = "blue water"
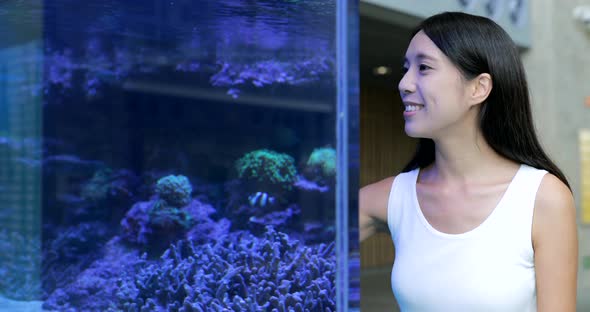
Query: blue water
(168, 155)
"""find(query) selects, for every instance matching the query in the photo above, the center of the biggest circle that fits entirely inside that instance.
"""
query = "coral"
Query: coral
(98, 187)
(321, 165)
(268, 169)
(239, 272)
(154, 225)
(174, 190)
(108, 183)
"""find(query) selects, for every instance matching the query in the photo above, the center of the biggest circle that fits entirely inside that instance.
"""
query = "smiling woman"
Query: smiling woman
(481, 218)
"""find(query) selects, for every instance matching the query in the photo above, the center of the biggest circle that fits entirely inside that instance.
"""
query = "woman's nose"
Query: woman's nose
(406, 84)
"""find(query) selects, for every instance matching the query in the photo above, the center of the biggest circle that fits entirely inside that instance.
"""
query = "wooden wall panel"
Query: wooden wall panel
(385, 149)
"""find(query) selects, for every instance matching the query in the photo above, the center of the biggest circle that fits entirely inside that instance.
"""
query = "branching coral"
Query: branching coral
(240, 272)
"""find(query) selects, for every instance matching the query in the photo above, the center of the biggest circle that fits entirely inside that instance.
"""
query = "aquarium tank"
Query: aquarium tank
(178, 155)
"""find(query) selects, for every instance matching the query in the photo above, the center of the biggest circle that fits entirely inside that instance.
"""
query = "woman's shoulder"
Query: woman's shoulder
(554, 206)
(374, 198)
(553, 196)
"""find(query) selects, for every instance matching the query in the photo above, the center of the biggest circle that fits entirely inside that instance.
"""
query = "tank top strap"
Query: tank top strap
(526, 186)
(400, 200)
(520, 204)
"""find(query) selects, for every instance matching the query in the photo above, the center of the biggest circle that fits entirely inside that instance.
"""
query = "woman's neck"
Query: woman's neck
(467, 159)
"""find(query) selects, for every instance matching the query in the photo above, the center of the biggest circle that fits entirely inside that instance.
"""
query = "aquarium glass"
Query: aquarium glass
(178, 155)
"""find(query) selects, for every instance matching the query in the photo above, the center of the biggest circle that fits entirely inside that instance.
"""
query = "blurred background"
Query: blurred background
(554, 39)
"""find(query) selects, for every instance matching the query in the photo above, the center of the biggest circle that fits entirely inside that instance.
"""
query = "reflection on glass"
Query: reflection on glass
(169, 156)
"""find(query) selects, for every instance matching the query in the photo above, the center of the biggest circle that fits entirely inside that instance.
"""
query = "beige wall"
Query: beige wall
(558, 69)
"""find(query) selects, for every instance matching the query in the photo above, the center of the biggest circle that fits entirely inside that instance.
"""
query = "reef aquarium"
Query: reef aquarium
(178, 155)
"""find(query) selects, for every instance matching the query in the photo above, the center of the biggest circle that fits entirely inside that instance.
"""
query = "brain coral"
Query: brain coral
(324, 159)
(267, 167)
(174, 190)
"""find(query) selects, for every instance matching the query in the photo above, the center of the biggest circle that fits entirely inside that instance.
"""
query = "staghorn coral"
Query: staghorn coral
(239, 272)
(174, 190)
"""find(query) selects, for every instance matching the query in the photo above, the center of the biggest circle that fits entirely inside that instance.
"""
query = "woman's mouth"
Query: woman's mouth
(412, 109)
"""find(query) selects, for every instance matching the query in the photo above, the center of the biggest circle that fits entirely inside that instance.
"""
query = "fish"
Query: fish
(260, 198)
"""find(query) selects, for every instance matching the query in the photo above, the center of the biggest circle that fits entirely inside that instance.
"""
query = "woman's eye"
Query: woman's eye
(424, 67)
(404, 69)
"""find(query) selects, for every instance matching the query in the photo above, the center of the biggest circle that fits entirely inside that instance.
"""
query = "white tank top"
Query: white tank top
(490, 268)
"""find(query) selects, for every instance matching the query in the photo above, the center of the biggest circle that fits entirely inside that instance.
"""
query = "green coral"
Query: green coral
(267, 167)
(97, 188)
(324, 159)
(174, 190)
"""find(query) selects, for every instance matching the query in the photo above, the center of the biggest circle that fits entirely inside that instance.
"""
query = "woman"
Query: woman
(481, 218)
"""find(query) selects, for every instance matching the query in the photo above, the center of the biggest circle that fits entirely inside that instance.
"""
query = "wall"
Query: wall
(558, 69)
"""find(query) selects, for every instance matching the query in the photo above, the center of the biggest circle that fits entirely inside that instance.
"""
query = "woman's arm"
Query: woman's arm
(555, 241)
(373, 200)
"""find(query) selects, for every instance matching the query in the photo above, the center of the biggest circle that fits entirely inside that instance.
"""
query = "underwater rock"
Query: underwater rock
(174, 190)
(153, 224)
(316, 232)
(283, 220)
(72, 242)
(268, 72)
(135, 224)
(94, 289)
(311, 186)
(239, 272)
(68, 251)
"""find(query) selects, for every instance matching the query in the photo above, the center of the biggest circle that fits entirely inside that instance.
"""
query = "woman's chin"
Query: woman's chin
(413, 133)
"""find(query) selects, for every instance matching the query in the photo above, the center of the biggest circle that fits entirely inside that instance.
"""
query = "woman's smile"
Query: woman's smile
(412, 108)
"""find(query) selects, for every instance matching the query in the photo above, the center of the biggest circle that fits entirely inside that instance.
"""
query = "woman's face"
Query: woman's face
(433, 83)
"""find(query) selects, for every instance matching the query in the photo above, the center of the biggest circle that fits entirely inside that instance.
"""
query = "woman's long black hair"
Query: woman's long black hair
(477, 45)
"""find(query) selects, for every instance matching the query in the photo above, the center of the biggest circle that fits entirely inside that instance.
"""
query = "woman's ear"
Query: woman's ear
(481, 86)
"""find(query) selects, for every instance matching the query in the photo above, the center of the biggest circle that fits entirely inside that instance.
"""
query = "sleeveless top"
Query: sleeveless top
(489, 268)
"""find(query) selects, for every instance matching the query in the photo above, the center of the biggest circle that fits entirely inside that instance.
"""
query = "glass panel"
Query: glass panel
(177, 155)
